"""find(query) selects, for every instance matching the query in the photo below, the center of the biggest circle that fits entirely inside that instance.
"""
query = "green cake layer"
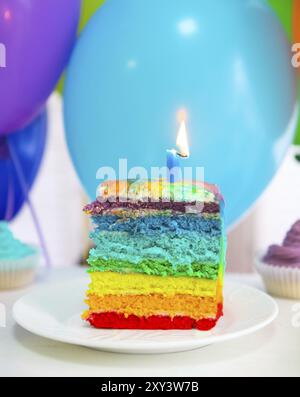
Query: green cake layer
(157, 268)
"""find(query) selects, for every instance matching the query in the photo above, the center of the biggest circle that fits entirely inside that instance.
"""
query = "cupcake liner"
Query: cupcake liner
(16, 273)
(280, 281)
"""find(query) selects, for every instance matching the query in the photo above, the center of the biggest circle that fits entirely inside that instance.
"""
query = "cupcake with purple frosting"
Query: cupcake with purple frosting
(280, 267)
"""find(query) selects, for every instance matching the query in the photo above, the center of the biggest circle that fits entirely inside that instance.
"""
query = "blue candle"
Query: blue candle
(173, 165)
(174, 156)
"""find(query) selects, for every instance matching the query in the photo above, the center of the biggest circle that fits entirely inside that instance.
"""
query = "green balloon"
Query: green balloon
(284, 10)
(88, 9)
(297, 138)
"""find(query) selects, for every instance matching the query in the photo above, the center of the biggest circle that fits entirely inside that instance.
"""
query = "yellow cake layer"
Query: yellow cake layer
(148, 305)
(109, 283)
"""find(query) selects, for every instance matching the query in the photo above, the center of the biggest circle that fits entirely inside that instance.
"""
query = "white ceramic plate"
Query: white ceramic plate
(54, 311)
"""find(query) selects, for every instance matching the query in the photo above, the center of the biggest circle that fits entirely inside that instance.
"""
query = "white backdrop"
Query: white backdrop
(271, 217)
(58, 198)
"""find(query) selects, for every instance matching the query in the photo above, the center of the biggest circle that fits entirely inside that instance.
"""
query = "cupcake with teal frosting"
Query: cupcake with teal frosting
(18, 261)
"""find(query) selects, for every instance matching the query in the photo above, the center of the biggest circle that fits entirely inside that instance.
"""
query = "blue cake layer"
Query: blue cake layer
(157, 225)
(187, 248)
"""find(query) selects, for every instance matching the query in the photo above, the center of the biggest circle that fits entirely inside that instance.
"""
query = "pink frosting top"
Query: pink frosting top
(287, 254)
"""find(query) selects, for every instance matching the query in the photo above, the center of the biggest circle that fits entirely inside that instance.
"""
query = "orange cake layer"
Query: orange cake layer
(154, 304)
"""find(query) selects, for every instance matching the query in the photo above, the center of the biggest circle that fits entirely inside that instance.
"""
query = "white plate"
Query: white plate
(54, 311)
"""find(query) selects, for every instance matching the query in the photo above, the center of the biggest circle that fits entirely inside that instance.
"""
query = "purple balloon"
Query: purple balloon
(36, 40)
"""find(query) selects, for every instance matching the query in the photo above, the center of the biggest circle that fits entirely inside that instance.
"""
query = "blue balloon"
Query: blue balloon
(227, 62)
(28, 144)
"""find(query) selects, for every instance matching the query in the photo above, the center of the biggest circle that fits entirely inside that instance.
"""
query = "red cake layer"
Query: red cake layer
(119, 321)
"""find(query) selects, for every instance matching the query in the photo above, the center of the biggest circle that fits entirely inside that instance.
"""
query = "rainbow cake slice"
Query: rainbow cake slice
(159, 256)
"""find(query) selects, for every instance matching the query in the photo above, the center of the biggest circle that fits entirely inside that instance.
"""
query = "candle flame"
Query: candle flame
(182, 141)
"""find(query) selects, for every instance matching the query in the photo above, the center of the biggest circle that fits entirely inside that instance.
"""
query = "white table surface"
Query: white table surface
(273, 351)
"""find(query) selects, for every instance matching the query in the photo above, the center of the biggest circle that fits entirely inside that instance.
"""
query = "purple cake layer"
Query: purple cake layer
(98, 208)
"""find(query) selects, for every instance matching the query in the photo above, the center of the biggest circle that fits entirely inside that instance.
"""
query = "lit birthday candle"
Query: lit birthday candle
(174, 156)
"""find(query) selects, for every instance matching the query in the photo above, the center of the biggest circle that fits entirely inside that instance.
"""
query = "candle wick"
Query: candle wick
(184, 156)
(179, 154)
